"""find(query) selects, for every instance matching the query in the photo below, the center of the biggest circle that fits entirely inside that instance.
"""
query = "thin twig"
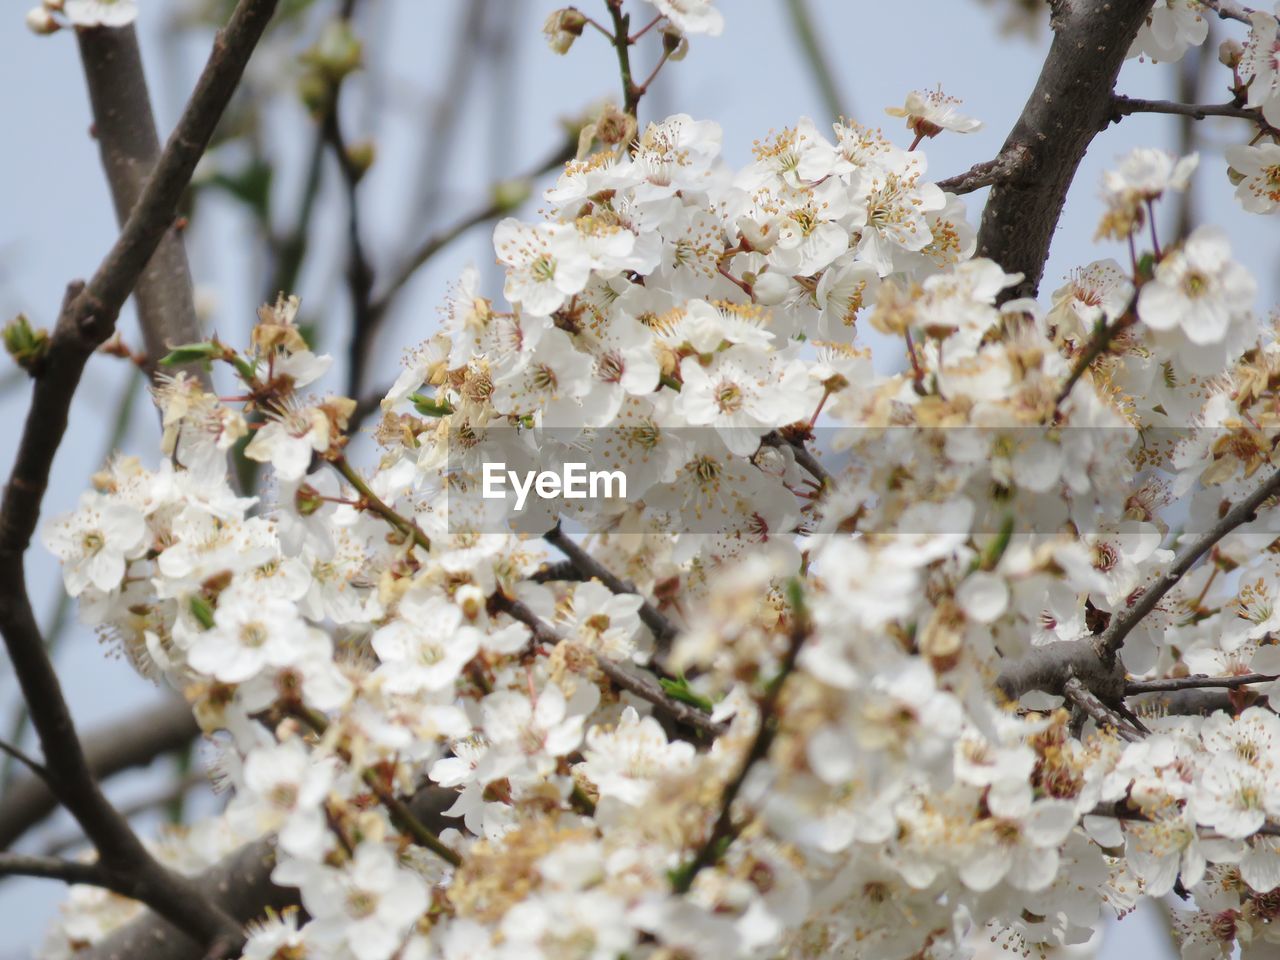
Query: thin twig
(724, 830)
(626, 676)
(437, 242)
(1125, 106)
(804, 456)
(1134, 687)
(1080, 695)
(1118, 811)
(1003, 168)
(1122, 622)
(373, 502)
(52, 868)
(1098, 345)
(1228, 10)
(664, 631)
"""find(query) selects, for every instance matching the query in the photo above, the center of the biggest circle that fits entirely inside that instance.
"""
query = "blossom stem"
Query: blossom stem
(1097, 345)
(643, 30)
(401, 815)
(374, 503)
(1151, 222)
(725, 830)
(621, 43)
(644, 87)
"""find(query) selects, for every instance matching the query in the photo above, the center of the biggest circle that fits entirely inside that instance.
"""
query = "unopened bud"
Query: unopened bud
(510, 194)
(41, 22)
(337, 53)
(1229, 53)
(361, 156)
(563, 27)
(674, 43)
(307, 500)
(25, 343)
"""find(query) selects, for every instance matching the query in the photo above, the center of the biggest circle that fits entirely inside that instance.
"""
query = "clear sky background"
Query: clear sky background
(56, 219)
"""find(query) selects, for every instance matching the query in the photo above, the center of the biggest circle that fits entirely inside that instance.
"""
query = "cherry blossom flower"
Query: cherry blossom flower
(96, 542)
(1258, 168)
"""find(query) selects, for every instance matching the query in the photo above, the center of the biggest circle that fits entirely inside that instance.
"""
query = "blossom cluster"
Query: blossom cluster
(365, 640)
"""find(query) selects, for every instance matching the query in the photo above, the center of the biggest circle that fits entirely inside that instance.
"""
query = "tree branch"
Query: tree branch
(725, 830)
(133, 742)
(1246, 511)
(52, 868)
(664, 631)
(1134, 687)
(1006, 166)
(1227, 10)
(624, 675)
(1123, 106)
(87, 318)
(241, 885)
(1071, 102)
(125, 128)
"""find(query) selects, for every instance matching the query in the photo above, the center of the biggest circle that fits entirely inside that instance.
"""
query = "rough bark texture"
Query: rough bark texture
(241, 885)
(1071, 102)
(125, 128)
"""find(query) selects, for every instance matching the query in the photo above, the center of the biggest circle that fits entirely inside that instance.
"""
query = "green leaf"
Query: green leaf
(202, 611)
(428, 407)
(679, 689)
(193, 353)
(251, 186)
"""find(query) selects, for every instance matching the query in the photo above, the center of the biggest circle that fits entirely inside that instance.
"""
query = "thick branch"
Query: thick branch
(241, 885)
(133, 742)
(1071, 102)
(1048, 668)
(87, 318)
(125, 128)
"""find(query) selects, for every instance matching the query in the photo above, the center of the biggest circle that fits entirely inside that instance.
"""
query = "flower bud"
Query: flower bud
(41, 22)
(26, 344)
(674, 43)
(508, 195)
(361, 156)
(563, 27)
(307, 500)
(337, 53)
(1229, 52)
